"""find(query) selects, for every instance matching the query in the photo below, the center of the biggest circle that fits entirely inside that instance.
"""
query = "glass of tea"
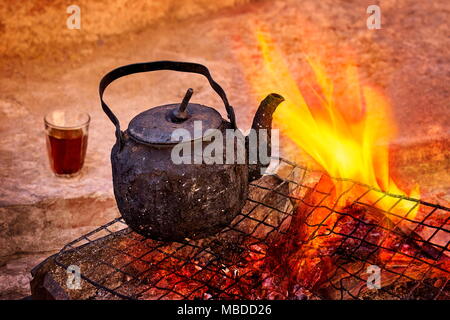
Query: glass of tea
(67, 135)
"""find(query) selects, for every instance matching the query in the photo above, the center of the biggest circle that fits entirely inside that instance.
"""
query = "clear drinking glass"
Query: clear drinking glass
(66, 135)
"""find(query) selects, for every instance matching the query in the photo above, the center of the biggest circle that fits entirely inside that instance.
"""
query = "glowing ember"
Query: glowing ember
(343, 125)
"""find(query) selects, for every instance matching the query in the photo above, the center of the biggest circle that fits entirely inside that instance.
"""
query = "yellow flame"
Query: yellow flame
(346, 129)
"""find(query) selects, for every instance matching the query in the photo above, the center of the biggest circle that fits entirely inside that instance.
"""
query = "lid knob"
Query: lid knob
(180, 114)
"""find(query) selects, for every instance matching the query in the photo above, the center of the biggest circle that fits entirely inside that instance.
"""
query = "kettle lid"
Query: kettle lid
(156, 125)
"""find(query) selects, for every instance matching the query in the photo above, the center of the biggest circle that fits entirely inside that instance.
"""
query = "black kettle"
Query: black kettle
(170, 199)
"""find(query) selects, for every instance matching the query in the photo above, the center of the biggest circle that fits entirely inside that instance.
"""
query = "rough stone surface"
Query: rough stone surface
(408, 58)
(15, 274)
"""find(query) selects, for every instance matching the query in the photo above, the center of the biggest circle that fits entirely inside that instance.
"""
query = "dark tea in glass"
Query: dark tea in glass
(67, 135)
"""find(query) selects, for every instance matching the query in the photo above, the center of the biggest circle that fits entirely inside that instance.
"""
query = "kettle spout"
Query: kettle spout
(258, 142)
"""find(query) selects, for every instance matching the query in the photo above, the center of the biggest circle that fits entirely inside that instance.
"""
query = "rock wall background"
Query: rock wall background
(32, 28)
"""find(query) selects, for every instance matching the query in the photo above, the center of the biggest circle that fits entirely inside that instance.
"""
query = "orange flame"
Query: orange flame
(343, 125)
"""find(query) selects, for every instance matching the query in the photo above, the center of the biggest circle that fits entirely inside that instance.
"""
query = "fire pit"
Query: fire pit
(294, 239)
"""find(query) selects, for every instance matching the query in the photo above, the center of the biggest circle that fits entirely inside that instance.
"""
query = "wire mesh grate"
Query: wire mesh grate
(301, 235)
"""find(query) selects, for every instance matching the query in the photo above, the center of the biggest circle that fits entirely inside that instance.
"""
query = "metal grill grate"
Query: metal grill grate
(340, 233)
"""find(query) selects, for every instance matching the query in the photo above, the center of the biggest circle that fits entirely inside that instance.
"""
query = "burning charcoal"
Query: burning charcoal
(331, 243)
(132, 264)
(318, 245)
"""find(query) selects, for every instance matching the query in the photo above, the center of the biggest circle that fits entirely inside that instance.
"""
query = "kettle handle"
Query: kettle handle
(154, 66)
